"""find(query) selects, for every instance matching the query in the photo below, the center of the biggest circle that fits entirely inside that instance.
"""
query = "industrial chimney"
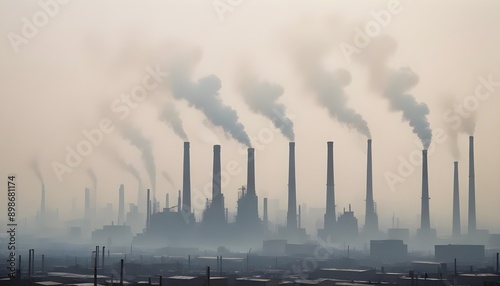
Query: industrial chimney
(87, 203)
(425, 223)
(472, 188)
(371, 219)
(186, 182)
(121, 205)
(148, 211)
(265, 217)
(217, 197)
(456, 202)
(216, 175)
(330, 190)
(42, 205)
(291, 219)
(251, 171)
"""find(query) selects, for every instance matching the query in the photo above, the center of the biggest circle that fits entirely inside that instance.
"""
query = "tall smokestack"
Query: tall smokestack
(148, 209)
(472, 188)
(186, 181)
(456, 202)
(251, 172)
(291, 219)
(265, 217)
(42, 204)
(121, 205)
(216, 176)
(371, 219)
(87, 203)
(425, 223)
(330, 190)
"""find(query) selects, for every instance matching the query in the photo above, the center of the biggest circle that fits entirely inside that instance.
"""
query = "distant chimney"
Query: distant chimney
(217, 198)
(472, 188)
(265, 217)
(425, 223)
(148, 211)
(216, 175)
(42, 205)
(371, 218)
(456, 202)
(330, 219)
(291, 220)
(87, 203)
(121, 205)
(251, 171)
(186, 181)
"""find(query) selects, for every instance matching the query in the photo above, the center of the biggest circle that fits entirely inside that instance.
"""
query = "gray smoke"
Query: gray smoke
(36, 168)
(204, 96)
(171, 117)
(329, 89)
(127, 167)
(466, 125)
(168, 178)
(309, 53)
(135, 137)
(398, 85)
(262, 97)
(92, 176)
(395, 84)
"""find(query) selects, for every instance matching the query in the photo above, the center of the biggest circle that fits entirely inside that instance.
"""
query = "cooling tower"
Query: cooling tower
(291, 219)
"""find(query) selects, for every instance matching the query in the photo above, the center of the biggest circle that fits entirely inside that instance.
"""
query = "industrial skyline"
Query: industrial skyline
(283, 80)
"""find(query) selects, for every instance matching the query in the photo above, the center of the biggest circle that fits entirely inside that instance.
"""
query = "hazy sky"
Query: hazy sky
(66, 75)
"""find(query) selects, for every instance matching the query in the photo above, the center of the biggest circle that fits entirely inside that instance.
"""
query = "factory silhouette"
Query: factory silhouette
(216, 249)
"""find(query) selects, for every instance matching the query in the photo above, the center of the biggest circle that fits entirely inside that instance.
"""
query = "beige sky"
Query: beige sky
(64, 79)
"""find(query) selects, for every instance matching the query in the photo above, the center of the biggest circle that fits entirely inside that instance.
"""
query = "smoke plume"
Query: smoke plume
(399, 82)
(127, 167)
(36, 168)
(171, 117)
(309, 52)
(135, 137)
(204, 96)
(462, 125)
(395, 84)
(168, 178)
(262, 97)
